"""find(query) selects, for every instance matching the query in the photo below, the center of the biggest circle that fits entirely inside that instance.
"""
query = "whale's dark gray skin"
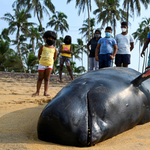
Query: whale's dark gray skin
(96, 106)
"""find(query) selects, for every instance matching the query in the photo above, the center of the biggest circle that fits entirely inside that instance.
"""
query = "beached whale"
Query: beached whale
(96, 106)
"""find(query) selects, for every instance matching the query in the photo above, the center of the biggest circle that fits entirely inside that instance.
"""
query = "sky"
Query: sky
(75, 22)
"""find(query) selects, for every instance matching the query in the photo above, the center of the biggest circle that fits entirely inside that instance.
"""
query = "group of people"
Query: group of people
(102, 51)
(47, 55)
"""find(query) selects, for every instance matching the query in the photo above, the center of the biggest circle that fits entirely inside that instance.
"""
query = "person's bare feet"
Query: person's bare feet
(60, 81)
(35, 94)
(45, 94)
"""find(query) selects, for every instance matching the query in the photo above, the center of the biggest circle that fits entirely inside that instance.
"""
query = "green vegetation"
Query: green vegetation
(29, 35)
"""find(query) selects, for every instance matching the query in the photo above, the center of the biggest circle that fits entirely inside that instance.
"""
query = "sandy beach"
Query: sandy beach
(19, 113)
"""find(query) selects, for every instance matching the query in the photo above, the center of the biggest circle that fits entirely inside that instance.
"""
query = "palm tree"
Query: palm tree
(24, 48)
(81, 47)
(58, 21)
(4, 48)
(34, 34)
(13, 63)
(138, 35)
(4, 34)
(76, 52)
(141, 35)
(19, 23)
(31, 61)
(146, 24)
(56, 63)
(38, 6)
(81, 4)
(85, 29)
(109, 11)
(78, 70)
(134, 5)
(5, 53)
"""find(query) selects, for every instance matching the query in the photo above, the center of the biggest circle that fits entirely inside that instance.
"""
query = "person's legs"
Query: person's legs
(91, 64)
(96, 64)
(46, 80)
(39, 82)
(118, 60)
(61, 67)
(108, 60)
(125, 65)
(67, 61)
(70, 72)
(118, 65)
(101, 60)
(126, 60)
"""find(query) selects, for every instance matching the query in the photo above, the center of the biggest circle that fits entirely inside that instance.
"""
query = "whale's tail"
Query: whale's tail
(144, 76)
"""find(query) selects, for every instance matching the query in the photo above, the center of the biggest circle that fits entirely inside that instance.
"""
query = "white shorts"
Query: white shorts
(42, 68)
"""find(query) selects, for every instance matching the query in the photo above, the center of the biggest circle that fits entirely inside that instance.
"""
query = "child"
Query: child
(66, 51)
(108, 49)
(47, 55)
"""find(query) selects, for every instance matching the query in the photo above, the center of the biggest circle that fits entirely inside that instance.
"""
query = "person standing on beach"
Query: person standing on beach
(93, 64)
(66, 51)
(107, 49)
(47, 55)
(144, 47)
(125, 44)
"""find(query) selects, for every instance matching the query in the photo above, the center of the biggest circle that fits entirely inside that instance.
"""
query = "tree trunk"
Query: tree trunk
(41, 28)
(139, 56)
(127, 12)
(114, 25)
(18, 48)
(82, 58)
(114, 34)
(88, 32)
(33, 46)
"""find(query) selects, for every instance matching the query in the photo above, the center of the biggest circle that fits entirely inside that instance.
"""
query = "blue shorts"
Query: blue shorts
(104, 60)
(65, 59)
(122, 58)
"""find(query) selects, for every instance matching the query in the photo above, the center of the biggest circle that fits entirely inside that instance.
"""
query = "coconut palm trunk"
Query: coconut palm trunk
(114, 23)
(139, 56)
(33, 46)
(88, 33)
(18, 48)
(41, 28)
(128, 12)
(82, 58)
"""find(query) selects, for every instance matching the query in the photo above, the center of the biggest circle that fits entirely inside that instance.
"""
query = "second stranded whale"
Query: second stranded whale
(96, 106)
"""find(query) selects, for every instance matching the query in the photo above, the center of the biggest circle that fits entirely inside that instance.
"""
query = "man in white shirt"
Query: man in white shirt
(125, 44)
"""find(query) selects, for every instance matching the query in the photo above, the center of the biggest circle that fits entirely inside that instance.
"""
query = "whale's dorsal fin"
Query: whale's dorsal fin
(144, 76)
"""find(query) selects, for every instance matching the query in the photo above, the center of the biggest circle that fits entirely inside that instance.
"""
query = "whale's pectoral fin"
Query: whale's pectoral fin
(144, 76)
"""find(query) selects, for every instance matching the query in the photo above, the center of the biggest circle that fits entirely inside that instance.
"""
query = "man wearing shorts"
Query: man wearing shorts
(125, 44)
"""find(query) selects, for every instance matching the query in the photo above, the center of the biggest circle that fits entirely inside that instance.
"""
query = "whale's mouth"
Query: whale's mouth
(89, 136)
(97, 127)
(89, 143)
